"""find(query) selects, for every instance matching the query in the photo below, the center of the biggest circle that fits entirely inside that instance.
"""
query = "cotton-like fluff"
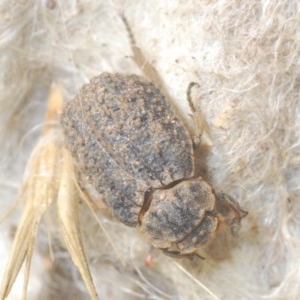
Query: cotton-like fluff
(245, 57)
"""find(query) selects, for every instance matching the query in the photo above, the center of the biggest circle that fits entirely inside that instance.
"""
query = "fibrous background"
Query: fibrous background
(245, 57)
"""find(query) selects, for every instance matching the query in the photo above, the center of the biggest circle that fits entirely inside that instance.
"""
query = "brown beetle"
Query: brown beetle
(136, 153)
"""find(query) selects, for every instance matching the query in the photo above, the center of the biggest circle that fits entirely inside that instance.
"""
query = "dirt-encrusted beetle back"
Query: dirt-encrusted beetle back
(136, 153)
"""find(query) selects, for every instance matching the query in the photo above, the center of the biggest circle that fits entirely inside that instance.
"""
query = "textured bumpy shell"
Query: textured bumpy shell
(179, 215)
(127, 140)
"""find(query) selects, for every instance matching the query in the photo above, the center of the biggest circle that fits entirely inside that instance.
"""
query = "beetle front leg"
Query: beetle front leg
(227, 206)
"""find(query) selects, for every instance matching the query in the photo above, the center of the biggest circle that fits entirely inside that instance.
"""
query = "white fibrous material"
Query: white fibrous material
(245, 57)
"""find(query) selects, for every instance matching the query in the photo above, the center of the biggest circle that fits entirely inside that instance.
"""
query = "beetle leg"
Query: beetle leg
(196, 115)
(226, 201)
(140, 59)
(178, 254)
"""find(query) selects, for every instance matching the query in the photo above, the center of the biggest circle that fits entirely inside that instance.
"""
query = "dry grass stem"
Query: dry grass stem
(50, 176)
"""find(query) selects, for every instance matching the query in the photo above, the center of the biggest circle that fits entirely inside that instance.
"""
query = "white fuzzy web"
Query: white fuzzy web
(244, 55)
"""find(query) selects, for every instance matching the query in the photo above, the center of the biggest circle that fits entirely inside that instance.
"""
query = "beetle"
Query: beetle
(139, 157)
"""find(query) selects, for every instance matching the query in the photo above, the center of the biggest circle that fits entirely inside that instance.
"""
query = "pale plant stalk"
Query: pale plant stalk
(67, 210)
(50, 177)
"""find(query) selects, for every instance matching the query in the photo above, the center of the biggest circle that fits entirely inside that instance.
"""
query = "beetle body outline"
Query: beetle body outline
(137, 154)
